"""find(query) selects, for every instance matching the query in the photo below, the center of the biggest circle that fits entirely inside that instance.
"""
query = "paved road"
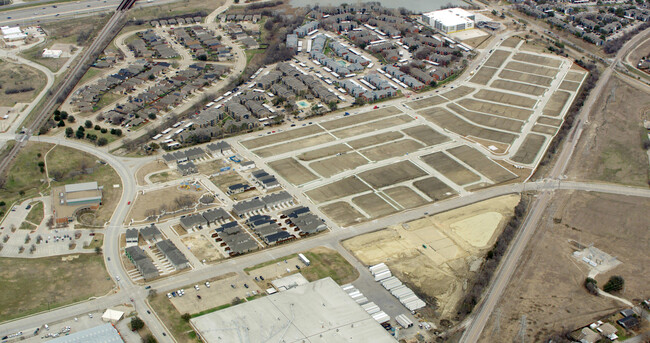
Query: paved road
(477, 322)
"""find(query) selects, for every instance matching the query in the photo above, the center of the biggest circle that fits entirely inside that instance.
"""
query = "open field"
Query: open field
(337, 164)
(392, 149)
(505, 98)
(343, 213)
(531, 69)
(428, 102)
(610, 148)
(326, 262)
(444, 118)
(488, 120)
(528, 78)
(482, 164)
(575, 76)
(229, 178)
(549, 121)
(294, 145)
(374, 126)
(292, 171)
(209, 168)
(202, 248)
(569, 85)
(536, 59)
(426, 135)
(338, 189)
(458, 92)
(168, 199)
(436, 255)
(165, 176)
(548, 284)
(511, 42)
(483, 75)
(518, 87)
(392, 174)
(24, 175)
(529, 149)
(149, 168)
(179, 328)
(556, 103)
(405, 196)
(374, 205)
(497, 109)
(281, 137)
(434, 188)
(549, 130)
(360, 118)
(15, 77)
(375, 139)
(33, 285)
(36, 213)
(63, 163)
(323, 152)
(450, 168)
(497, 58)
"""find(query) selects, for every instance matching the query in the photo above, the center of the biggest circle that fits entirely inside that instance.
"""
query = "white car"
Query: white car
(117, 278)
(169, 295)
(207, 284)
(196, 287)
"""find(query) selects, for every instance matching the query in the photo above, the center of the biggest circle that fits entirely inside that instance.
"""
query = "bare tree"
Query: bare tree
(32, 249)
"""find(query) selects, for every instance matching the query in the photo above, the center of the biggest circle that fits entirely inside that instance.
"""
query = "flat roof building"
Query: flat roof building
(68, 200)
(317, 312)
(450, 20)
(106, 333)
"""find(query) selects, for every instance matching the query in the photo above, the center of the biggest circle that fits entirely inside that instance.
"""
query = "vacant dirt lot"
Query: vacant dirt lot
(360, 118)
(339, 189)
(294, 145)
(482, 164)
(519, 87)
(405, 196)
(375, 139)
(337, 164)
(501, 110)
(527, 68)
(428, 102)
(511, 42)
(434, 188)
(450, 168)
(392, 174)
(15, 77)
(483, 75)
(536, 59)
(392, 149)
(505, 98)
(435, 255)
(281, 137)
(343, 213)
(556, 103)
(497, 58)
(548, 284)
(149, 168)
(528, 78)
(374, 126)
(374, 205)
(169, 199)
(202, 248)
(610, 148)
(292, 171)
(444, 118)
(426, 135)
(323, 152)
(529, 149)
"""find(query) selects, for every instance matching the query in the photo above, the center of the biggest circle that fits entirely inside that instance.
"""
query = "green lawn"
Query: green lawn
(34, 285)
(325, 262)
(105, 100)
(36, 213)
(251, 53)
(97, 242)
(24, 179)
(92, 72)
(178, 327)
(27, 226)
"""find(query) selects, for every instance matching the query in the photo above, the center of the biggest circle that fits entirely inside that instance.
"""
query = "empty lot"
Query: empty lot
(338, 189)
(292, 171)
(281, 137)
(482, 164)
(392, 174)
(450, 168)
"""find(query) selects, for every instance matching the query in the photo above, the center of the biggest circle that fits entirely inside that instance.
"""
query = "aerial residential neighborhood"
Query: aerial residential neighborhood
(324, 171)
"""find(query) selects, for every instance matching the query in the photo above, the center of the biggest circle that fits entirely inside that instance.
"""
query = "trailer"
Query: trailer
(383, 275)
(368, 306)
(404, 321)
(379, 265)
(415, 305)
(361, 300)
(304, 259)
(156, 137)
(381, 317)
(166, 131)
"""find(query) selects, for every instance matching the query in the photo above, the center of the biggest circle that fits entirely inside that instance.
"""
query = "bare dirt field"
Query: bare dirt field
(426, 135)
(548, 285)
(202, 248)
(149, 168)
(209, 168)
(575, 76)
(528, 68)
(392, 149)
(360, 118)
(405, 196)
(556, 103)
(434, 188)
(337, 164)
(168, 198)
(549, 121)
(458, 92)
(500, 110)
(444, 118)
(537, 59)
(293, 145)
(292, 171)
(511, 42)
(483, 75)
(450, 168)
(482, 164)
(338, 189)
(428, 102)
(610, 149)
(505, 98)
(375, 139)
(165, 176)
(392, 174)
(488, 120)
(497, 58)
(374, 126)
(343, 213)
(436, 255)
(549, 130)
(569, 85)
(529, 149)
(519, 87)
(523, 77)
(281, 137)
(373, 205)
(323, 152)
(225, 179)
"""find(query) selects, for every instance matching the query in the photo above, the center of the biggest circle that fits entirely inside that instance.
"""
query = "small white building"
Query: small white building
(12, 34)
(450, 20)
(47, 53)
(112, 316)
(247, 165)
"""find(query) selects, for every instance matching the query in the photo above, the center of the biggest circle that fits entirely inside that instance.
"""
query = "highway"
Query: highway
(477, 321)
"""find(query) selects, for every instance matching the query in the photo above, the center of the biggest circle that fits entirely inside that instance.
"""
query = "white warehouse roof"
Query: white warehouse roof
(317, 312)
(451, 16)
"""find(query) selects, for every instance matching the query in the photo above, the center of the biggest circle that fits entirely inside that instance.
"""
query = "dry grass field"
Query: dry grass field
(428, 102)
(338, 164)
(323, 152)
(536, 59)
(292, 171)
(505, 98)
(523, 77)
(293, 145)
(458, 92)
(281, 137)
(488, 120)
(374, 126)
(518, 87)
(497, 58)
(374, 205)
(338, 189)
(19, 77)
(375, 139)
(147, 169)
(483, 75)
(392, 149)
(511, 42)
(405, 196)
(482, 164)
(343, 213)
(528, 68)
(548, 285)
(426, 135)
(549, 130)
(392, 174)
(497, 109)
(450, 168)
(360, 118)
(444, 118)
(167, 198)
(529, 149)
(556, 103)
(434, 188)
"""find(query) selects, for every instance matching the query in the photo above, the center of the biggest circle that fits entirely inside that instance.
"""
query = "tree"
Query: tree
(136, 323)
(186, 317)
(152, 116)
(70, 119)
(102, 141)
(591, 286)
(149, 338)
(332, 105)
(98, 250)
(88, 124)
(64, 115)
(69, 132)
(79, 134)
(614, 284)
(97, 127)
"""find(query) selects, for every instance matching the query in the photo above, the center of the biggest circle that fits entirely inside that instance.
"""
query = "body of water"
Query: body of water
(416, 6)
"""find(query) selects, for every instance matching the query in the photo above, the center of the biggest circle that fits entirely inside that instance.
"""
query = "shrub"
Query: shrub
(614, 284)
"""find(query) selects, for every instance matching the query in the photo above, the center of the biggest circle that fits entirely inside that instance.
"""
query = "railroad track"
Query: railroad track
(74, 75)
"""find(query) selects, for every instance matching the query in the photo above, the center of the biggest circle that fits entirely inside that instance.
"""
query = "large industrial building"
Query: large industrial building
(450, 20)
(99, 334)
(319, 311)
(69, 199)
